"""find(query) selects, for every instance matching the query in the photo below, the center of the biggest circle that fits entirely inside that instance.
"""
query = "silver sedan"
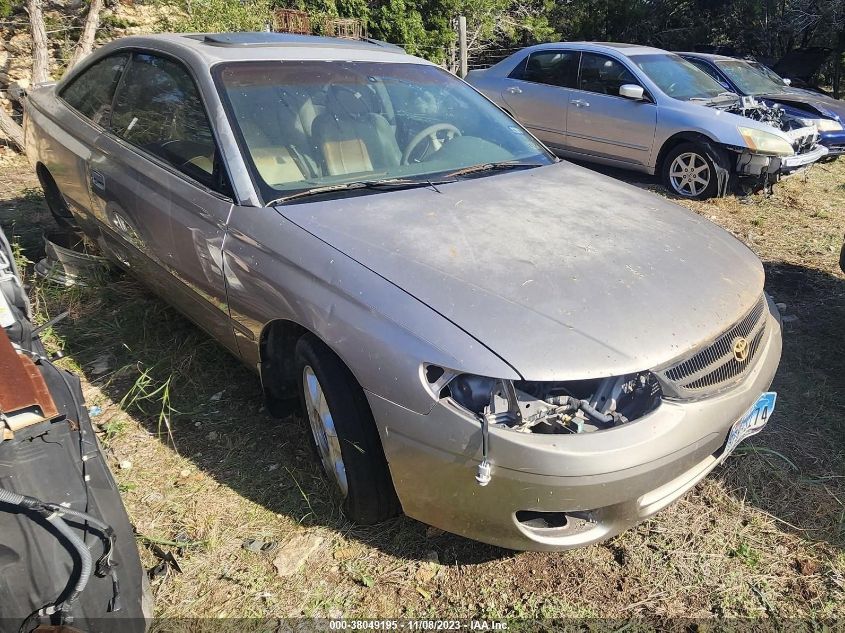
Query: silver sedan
(649, 110)
(500, 344)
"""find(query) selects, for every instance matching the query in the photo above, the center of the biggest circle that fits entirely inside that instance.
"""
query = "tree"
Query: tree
(9, 127)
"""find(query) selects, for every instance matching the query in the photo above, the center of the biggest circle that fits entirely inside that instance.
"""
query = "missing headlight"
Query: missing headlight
(580, 406)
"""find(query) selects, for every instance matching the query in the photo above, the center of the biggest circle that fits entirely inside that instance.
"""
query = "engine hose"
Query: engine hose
(589, 410)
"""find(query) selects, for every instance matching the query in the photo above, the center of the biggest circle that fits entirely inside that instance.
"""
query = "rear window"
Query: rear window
(91, 92)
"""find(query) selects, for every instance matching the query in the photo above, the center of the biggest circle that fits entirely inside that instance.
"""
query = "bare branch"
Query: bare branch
(89, 31)
(10, 129)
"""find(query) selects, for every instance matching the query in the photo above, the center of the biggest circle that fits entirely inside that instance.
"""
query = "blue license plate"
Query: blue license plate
(752, 422)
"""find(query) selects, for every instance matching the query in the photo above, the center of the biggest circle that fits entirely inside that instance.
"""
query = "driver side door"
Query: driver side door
(162, 192)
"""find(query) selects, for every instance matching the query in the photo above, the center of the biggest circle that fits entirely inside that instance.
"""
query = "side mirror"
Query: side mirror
(632, 91)
(788, 82)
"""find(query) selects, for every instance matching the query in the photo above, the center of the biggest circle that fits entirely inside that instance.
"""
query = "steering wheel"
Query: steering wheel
(434, 141)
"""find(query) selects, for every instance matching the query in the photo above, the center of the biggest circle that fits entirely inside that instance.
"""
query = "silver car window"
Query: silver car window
(552, 67)
(307, 124)
(158, 109)
(603, 74)
(90, 93)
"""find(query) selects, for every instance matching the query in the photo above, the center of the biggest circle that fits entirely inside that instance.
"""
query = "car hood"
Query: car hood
(562, 272)
(824, 105)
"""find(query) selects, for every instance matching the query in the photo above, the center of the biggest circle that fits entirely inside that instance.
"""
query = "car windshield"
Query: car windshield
(750, 79)
(678, 78)
(316, 125)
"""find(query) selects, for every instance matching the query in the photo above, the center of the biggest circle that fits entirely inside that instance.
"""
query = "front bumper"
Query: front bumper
(603, 482)
(775, 167)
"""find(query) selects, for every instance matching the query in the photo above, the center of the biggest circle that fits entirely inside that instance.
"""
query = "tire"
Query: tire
(677, 177)
(56, 201)
(365, 484)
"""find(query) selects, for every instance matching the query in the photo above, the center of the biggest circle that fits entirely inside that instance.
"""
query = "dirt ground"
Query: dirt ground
(205, 471)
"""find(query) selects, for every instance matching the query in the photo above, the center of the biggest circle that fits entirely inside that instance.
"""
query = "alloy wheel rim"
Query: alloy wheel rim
(323, 429)
(689, 174)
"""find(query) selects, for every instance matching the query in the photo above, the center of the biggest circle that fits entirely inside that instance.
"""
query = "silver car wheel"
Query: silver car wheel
(323, 428)
(689, 174)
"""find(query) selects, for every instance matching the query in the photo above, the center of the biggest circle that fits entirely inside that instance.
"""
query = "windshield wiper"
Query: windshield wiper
(393, 183)
(475, 169)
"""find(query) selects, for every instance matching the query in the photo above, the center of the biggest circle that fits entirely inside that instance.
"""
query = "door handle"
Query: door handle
(98, 180)
(514, 90)
(580, 103)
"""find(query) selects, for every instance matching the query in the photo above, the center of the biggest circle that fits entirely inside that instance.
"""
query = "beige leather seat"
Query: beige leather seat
(352, 137)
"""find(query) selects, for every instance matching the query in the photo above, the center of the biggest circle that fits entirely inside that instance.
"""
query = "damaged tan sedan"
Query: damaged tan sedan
(497, 343)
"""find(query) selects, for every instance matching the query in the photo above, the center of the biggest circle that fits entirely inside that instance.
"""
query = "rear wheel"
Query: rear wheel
(344, 434)
(690, 171)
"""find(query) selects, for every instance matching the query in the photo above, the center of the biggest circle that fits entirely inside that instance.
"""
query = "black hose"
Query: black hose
(589, 410)
(50, 512)
(86, 562)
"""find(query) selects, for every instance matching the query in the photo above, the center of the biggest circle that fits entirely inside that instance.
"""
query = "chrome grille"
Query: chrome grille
(715, 366)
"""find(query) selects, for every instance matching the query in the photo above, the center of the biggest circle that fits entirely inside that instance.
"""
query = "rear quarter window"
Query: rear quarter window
(90, 93)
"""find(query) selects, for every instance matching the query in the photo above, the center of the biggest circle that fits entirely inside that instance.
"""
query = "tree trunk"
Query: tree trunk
(40, 58)
(11, 130)
(89, 31)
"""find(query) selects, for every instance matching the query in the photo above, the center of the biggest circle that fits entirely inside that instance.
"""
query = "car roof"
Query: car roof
(629, 50)
(212, 48)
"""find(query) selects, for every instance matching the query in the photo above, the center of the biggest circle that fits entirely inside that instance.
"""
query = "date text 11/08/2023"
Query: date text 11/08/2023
(417, 625)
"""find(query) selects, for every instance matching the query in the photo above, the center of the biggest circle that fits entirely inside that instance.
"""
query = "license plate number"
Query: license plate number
(752, 422)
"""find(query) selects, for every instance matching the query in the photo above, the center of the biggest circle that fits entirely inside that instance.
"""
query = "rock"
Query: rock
(789, 318)
(432, 557)
(433, 532)
(185, 472)
(217, 396)
(124, 464)
(102, 364)
(295, 552)
(781, 307)
(425, 573)
(345, 553)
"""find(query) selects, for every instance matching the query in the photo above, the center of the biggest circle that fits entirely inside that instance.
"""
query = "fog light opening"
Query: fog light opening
(542, 520)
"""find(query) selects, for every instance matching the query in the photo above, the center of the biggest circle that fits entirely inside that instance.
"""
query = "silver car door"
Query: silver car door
(164, 194)
(603, 124)
(537, 93)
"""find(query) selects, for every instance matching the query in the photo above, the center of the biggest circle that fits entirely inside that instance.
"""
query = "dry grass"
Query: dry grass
(763, 536)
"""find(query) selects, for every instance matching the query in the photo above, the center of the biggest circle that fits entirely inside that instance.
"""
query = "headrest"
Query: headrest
(346, 101)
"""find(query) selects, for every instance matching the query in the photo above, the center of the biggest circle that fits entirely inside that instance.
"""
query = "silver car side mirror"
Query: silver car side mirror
(788, 82)
(631, 91)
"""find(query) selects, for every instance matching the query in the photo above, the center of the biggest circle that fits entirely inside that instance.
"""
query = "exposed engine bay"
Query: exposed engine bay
(68, 556)
(582, 406)
(803, 134)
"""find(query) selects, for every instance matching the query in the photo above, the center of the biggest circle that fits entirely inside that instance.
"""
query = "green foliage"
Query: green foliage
(211, 16)
(6, 8)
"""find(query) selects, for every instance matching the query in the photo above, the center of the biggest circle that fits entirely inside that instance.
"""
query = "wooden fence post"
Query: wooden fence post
(462, 43)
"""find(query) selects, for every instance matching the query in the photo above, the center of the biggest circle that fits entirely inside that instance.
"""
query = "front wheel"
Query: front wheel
(344, 434)
(694, 170)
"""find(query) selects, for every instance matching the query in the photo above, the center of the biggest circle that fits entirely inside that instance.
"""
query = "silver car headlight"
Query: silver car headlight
(827, 125)
(764, 142)
(547, 407)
